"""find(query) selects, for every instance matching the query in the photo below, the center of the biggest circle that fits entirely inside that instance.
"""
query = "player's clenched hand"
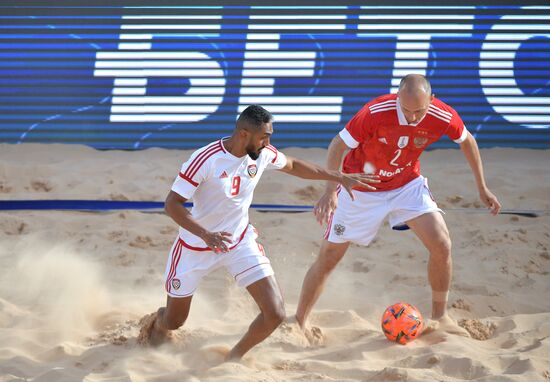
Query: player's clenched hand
(216, 241)
(325, 206)
(349, 181)
(490, 201)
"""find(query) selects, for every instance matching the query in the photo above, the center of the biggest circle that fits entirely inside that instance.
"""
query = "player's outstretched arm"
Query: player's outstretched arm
(307, 170)
(175, 209)
(329, 201)
(470, 150)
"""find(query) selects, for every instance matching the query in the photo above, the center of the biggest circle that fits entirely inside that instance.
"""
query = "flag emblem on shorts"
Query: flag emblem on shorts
(252, 170)
(339, 229)
(420, 141)
(403, 141)
(176, 283)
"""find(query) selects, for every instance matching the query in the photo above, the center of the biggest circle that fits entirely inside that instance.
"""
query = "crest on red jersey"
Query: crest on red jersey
(252, 170)
(403, 141)
(420, 141)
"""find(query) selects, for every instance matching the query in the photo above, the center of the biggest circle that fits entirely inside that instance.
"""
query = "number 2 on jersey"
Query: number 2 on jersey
(235, 185)
(397, 154)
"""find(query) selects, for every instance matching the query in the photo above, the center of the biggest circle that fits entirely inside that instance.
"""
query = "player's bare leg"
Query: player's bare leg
(316, 277)
(156, 327)
(268, 296)
(432, 231)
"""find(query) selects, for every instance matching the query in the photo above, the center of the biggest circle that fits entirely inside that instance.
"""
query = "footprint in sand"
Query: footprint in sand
(143, 242)
(477, 329)
(41, 186)
(461, 304)
(117, 236)
(168, 230)
(315, 336)
(454, 199)
(125, 259)
(15, 228)
(308, 193)
(4, 188)
(359, 267)
(119, 197)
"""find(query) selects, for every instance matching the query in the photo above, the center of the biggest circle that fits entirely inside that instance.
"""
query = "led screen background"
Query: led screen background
(176, 77)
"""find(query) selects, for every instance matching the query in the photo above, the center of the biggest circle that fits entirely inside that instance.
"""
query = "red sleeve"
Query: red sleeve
(360, 126)
(455, 129)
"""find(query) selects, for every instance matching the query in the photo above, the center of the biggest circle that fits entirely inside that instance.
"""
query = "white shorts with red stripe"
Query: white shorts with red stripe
(185, 269)
(358, 221)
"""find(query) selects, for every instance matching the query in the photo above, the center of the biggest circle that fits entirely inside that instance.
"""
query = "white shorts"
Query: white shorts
(185, 269)
(359, 221)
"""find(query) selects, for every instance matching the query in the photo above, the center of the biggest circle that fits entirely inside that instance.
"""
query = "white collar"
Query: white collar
(401, 116)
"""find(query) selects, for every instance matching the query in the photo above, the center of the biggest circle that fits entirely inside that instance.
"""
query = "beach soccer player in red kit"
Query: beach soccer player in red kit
(386, 138)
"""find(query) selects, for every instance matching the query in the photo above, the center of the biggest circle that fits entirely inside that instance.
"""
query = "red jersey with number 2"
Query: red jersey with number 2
(383, 143)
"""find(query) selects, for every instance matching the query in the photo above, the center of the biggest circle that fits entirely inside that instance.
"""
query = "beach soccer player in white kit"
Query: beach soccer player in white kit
(386, 137)
(221, 178)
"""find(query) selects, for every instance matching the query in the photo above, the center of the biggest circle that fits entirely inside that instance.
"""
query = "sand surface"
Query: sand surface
(73, 285)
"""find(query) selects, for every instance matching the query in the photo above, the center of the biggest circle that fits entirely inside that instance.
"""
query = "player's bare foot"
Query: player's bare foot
(150, 334)
(448, 325)
(444, 324)
(430, 326)
(313, 335)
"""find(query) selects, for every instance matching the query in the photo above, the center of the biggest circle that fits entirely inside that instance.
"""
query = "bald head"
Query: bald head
(415, 84)
(415, 96)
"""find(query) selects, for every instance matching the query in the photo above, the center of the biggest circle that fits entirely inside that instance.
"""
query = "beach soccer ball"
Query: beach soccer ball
(402, 323)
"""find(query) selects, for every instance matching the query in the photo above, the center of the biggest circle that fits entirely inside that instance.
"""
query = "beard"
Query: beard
(253, 154)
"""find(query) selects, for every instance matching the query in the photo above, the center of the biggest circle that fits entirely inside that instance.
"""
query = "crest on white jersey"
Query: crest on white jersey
(252, 170)
(339, 229)
(403, 141)
(176, 283)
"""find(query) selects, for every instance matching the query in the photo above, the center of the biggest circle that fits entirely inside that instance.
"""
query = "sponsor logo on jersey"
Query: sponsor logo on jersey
(420, 141)
(223, 175)
(252, 170)
(176, 283)
(383, 140)
(403, 141)
(339, 229)
(389, 174)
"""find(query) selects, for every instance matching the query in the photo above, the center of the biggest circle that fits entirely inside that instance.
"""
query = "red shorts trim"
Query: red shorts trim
(208, 248)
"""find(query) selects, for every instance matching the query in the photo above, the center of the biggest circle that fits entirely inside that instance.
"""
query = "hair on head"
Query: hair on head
(254, 115)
